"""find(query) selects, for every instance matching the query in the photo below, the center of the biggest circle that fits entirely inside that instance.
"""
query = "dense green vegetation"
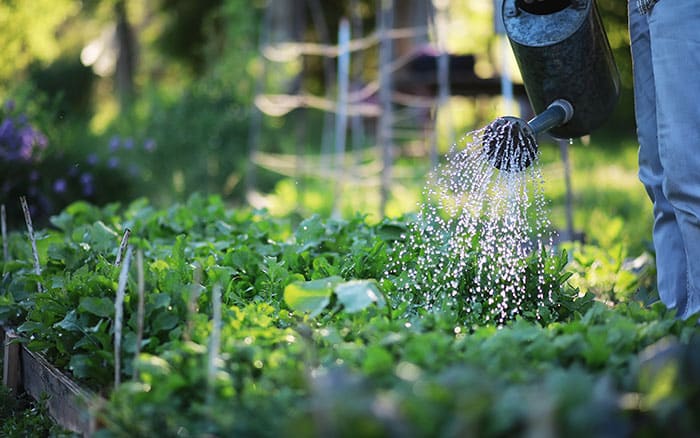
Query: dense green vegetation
(187, 122)
(314, 338)
(20, 416)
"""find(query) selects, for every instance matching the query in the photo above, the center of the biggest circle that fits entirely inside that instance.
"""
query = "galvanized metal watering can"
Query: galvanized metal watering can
(567, 67)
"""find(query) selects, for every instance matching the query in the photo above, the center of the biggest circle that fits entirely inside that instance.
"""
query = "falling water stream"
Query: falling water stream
(482, 226)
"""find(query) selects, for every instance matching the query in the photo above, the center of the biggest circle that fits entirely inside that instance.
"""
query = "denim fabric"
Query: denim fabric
(644, 6)
(666, 62)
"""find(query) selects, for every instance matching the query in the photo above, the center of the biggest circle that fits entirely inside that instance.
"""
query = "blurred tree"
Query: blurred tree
(185, 34)
(126, 54)
(28, 34)
(67, 84)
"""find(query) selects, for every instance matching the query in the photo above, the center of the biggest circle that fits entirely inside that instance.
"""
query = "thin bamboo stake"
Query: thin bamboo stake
(443, 79)
(32, 239)
(341, 119)
(289, 51)
(386, 22)
(140, 310)
(256, 116)
(564, 149)
(195, 291)
(3, 225)
(357, 131)
(214, 339)
(119, 315)
(317, 17)
(280, 104)
(122, 246)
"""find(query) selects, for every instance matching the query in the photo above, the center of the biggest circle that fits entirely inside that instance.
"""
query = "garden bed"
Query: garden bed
(66, 402)
(235, 323)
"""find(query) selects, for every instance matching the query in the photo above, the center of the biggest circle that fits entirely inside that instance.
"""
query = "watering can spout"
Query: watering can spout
(510, 143)
(557, 113)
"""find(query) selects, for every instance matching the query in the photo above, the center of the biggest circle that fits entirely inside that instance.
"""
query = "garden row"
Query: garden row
(231, 322)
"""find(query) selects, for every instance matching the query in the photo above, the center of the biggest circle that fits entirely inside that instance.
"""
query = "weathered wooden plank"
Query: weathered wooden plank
(67, 403)
(11, 361)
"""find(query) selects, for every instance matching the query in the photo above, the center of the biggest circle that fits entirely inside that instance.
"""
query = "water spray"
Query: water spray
(568, 71)
(511, 142)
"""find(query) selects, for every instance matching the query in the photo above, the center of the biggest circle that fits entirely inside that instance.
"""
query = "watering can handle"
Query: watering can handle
(545, 7)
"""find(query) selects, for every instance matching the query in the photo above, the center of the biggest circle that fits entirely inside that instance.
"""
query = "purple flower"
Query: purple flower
(6, 130)
(25, 151)
(92, 159)
(113, 163)
(28, 139)
(87, 181)
(18, 139)
(149, 145)
(113, 143)
(129, 143)
(60, 185)
(9, 105)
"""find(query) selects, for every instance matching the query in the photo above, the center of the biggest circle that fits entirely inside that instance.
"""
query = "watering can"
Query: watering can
(568, 71)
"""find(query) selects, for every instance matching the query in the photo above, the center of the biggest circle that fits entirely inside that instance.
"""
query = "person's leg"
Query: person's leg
(675, 48)
(668, 243)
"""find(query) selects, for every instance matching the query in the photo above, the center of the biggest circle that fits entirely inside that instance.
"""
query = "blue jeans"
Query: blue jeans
(666, 64)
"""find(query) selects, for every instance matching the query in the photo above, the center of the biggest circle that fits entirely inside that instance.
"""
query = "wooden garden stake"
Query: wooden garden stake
(341, 116)
(12, 368)
(3, 226)
(195, 290)
(32, 239)
(214, 338)
(122, 247)
(119, 315)
(384, 127)
(140, 309)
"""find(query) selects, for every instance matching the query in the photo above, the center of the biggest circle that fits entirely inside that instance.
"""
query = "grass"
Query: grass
(610, 205)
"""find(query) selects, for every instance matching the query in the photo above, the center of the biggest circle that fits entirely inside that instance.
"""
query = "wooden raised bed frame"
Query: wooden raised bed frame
(67, 402)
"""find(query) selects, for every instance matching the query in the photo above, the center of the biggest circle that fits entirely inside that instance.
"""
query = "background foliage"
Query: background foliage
(196, 67)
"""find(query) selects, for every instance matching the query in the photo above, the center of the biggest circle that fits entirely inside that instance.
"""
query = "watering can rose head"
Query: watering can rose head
(509, 144)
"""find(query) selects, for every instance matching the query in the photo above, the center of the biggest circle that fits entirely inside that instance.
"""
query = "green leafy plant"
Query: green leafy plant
(316, 334)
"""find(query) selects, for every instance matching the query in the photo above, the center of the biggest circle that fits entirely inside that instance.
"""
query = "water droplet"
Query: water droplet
(485, 214)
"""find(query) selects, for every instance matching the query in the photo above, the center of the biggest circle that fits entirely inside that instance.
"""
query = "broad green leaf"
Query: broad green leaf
(164, 321)
(357, 295)
(69, 322)
(80, 365)
(310, 232)
(391, 231)
(310, 296)
(30, 326)
(377, 360)
(101, 237)
(152, 367)
(158, 301)
(100, 306)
